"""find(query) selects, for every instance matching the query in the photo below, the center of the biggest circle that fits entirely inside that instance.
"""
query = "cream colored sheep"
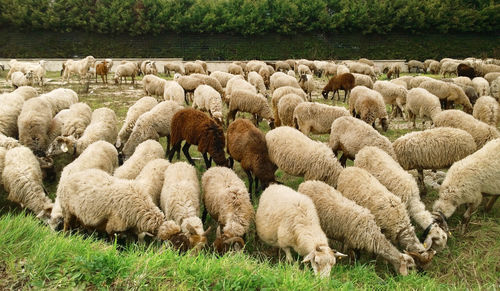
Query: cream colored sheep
(417, 80)
(363, 80)
(369, 106)
(288, 219)
(303, 70)
(298, 155)
(286, 107)
(360, 68)
(279, 80)
(487, 110)
(19, 79)
(448, 67)
(448, 92)
(11, 105)
(307, 84)
(256, 80)
(173, 91)
(278, 94)
(237, 82)
(235, 69)
(462, 81)
(80, 67)
(393, 94)
(222, 77)
(210, 81)
(342, 69)
(208, 99)
(490, 77)
(495, 89)
(60, 99)
(421, 103)
(176, 67)
(417, 65)
(481, 85)
(345, 221)
(76, 120)
(192, 68)
(248, 101)
(134, 112)
(189, 84)
(145, 152)
(153, 85)
(152, 177)
(8, 142)
(316, 117)
(124, 70)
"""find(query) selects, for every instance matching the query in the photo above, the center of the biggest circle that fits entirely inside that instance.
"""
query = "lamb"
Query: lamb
(128, 69)
(482, 86)
(102, 127)
(247, 145)
(208, 99)
(316, 117)
(196, 128)
(102, 70)
(307, 84)
(153, 85)
(480, 131)
(140, 107)
(286, 107)
(80, 67)
(19, 79)
(448, 92)
(145, 152)
(235, 69)
(222, 77)
(435, 148)
(173, 91)
(22, 179)
(248, 101)
(180, 201)
(390, 213)
(175, 67)
(256, 80)
(490, 77)
(288, 219)
(393, 94)
(76, 120)
(344, 82)
(192, 68)
(417, 65)
(153, 124)
(344, 220)
(468, 179)
(421, 103)
(296, 154)
(227, 201)
(402, 184)
(113, 205)
(60, 99)
(487, 110)
(368, 105)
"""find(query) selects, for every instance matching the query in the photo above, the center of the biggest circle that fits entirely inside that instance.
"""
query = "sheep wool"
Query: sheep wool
(60, 99)
(145, 152)
(487, 110)
(152, 176)
(316, 117)
(286, 107)
(422, 103)
(141, 106)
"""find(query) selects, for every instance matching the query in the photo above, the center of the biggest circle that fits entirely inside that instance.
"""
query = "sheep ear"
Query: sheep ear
(64, 148)
(190, 228)
(308, 258)
(339, 255)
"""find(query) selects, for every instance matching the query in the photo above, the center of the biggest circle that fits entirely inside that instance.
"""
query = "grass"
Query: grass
(34, 257)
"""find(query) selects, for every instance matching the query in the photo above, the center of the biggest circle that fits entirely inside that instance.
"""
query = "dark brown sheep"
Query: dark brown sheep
(102, 70)
(466, 71)
(196, 128)
(340, 82)
(247, 144)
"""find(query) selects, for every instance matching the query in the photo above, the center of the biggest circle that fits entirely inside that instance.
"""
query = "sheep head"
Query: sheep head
(169, 230)
(197, 241)
(44, 215)
(322, 259)
(422, 259)
(403, 264)
(436, 234)
(325, 93)
(62, 144)
(223, 243)
(384, 124)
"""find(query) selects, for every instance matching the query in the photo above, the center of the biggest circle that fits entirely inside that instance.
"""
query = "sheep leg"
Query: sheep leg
(257, 185)
(490, 203)
(168, 146)
(204, 215)
(185, 150)
(288, 255)
(231, 162)
(343, 160)
(471, 209)
(175, 148)
(421, 183)
(208, 162)
(250, 182)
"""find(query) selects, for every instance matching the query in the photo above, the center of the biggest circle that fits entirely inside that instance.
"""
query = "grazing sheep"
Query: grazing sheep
(8, 142)
(203, 65)
(152, 124)
(227, 201)
(394, 69)
(427, 63)
(11, 105)
(235, 69)
(60, 99)
(342, 69)
(389, 212)
(490, 77)
(468, 179)
(173, 91)
(368, 105)
(393, 94)
(462, 81)
(278, 94)
(210, 81)
(288, 219)
(307, 84)
(176, 67)
(76, 120)
(330, 69)
(487, 110)
(248, 101)
(366, 61)
(189, 84)
(350, 135)
(298, 155)
(402, 184)
(144, 152)
(196, 128)
(124, 70)
(495, 89)
(102, 70)
(344, 220)
(303, 70)
(436, 148)
(152, 177)
(466, 71)
(434, 67)
(448, 67)
(256, 80)
(16, 66)
(19, 79)
(480, 131)
(237, 82)
(180, 201)
(361, 69)
(80, 67)
(282, 66)
(278, 80)
(265, 74)
(417, 65)
(286, 107)
(247, 145)
(192, 68)
(208, 99)
(36, 129)
(222, 77)
(417, 80)
(448, 93)
(153, 85)
(140, 107)
(421, 103)
(344, 82)
(488, 68)
(291, 73)
(102, 127)
(316, 117)
(482, 86)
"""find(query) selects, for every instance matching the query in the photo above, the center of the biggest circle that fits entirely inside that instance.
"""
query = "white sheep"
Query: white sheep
(316, 117)
(235, 69)
(144, 152)
(307, 84)
(222, 77)
(422, 103)
(448, 92)
(448, 67)
(278, 94)
(153, 85)
(248, 101)
(363, 80)
(393, 94)
(19, 79)
(298, 155)
(481, 85)
(80, 67)
(495, 89)
(286, 107)
(60, 98)
(78, 117)
(490, 77)
(279, 80)
(303, 70)
(152, 177)
(369, 105)
(173, 91)
(208, 99)
(176, 67)
(360, 68)
(238, 83)
(8, 142)
(192, 68)
(124, 70)
(487, 110)
(11, 105)
(288, 219)
(256, 80)
(140, 106)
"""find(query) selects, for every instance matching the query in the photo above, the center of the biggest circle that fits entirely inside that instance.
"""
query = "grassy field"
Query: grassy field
(34, 257)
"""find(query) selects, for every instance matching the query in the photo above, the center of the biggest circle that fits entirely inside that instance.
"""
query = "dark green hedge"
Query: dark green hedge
(252, 17)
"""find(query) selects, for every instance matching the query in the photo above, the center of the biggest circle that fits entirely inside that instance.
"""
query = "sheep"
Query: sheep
(291, 73)
(288, 219)
(196, 128)
(265, 74)
(76, 120)
(393, 94)
(248, 101)
(191, 68)
(448, 93)
(11, 105)
(468, 179)
(488, 68)
(278, 80)
(350, 135)
(421, 103)
(208, 99)
(495, 89)
(296, 154)
(402, 184)
(448, 67)
(203, 65)
(482, 86)
(490, 77)
(342, 69)
(152, 124)
(368, 105)
(435, 149)
(149, 68)
(113, 205)
(480, 131)
(8, 142)
(362, 69)
(344, 82)
(303, 70)
(22, 179)
(487, 110)
(16, 66)
(417, 80)
(330, 69)
(286, 107)
(255, 65)
(102, 70)
(60, 99)
(282, 66)
(235, 69)
(394, 69)
(102, 127)
(173, 91)
(176, 67)
(140, 107)
(237, 82)
(256, 80)
(362, 80)
(417, 65)
(280, 93)
(434, 67)
(399, 83)
(427, 63)
(19, 79)
(152, 177)
(144, 152)
(211, 81)
(222, 77)
(366, 61)
(466, 70)
(390, 213)
(80, 67)
(128, 69)
(307, 84)
(153, 85)
(180, 201)
(189, 84)
(227, 201)
(344, 220)
(316, 117)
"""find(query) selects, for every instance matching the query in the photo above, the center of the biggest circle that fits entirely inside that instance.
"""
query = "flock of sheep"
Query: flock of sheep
(120, 183)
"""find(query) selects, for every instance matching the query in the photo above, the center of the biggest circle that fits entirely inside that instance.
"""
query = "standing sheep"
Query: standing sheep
(316, 117)
(307, 84)
(369, 106)
(417, 65)
(393, 94)
(144, 152)
(421, 103)
(448, 94)
(208, 99)
(127, 69)
(481, 85)
(192, 68)
(286, 107)
(11, 105)
(222, 77)
(60, 99)
(487, 110)
(80, 67)
(36, 129)
(173, 91)
(175, 67)
(280, 93)
(140, 107)
(340, 82)
(248, 101)
(153, 85)
(256, 80)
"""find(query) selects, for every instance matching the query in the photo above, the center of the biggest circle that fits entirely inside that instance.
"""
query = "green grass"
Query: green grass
(34, 257)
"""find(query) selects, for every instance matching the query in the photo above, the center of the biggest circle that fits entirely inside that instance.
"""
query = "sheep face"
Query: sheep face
(436, 239)
(169, 230)
(384, 124)
(60, 145)
(322, 259)
(325, 94)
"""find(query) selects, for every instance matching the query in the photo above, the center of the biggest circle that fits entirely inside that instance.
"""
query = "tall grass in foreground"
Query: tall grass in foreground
(33, 256)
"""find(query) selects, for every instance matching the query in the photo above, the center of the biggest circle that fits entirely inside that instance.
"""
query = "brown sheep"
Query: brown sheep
(466, 71)
(196, 128)
(102, 70)
(340, 82)
(395, 70)
(247, 144)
